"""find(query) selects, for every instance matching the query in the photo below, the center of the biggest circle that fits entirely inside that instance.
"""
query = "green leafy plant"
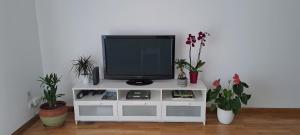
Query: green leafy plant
(49, 85)
(181, 63)
(231, 98)
(83, 65)
(196, 68)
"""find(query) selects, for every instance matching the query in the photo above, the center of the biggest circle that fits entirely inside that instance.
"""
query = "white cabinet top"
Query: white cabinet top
(156, 85)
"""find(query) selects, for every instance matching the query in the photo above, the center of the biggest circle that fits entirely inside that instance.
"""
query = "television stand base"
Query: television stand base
(139, 82)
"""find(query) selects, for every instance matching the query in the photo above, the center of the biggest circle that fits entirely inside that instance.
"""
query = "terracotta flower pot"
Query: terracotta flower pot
(53, 117)
(193, 77)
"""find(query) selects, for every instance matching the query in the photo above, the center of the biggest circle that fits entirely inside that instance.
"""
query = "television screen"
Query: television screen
(138, 57)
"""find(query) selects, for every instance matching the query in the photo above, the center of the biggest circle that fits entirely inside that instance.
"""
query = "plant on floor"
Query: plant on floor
(83, 65)
(191, 41)
(49, 85)
(52, 113)
(230, 98)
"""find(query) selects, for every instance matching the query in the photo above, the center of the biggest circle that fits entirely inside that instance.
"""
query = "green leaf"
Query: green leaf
(83, 65)
(180, 63)
(235, 105)
(49, 86)
(238, 89)
(213, 107)
(199, 64)
(245, 84)
(208, 95)
(213, 94)
(244, 98)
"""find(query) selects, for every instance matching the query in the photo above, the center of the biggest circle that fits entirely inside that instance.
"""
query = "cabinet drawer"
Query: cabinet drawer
(139, 111)
(96, 111)
(182, 111)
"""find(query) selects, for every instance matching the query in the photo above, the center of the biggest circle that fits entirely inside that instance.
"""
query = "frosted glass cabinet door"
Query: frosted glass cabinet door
(99, 111)
(182, 111)
(139, 111)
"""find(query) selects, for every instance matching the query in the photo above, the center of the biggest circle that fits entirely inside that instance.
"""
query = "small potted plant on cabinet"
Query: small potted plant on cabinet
(52, 113)
(83, 66)
(191, 41)
(228, 100)
(181, 79)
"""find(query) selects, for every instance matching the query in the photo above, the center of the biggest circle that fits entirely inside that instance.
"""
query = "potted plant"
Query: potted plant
(191, 41)
(181, 79)
(83, 66)
(228, 100)
(52, 113)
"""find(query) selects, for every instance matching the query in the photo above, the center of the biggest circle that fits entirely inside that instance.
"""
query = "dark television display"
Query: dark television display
(138, 57)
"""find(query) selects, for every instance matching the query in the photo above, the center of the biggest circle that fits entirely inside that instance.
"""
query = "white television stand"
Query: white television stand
(160, 108)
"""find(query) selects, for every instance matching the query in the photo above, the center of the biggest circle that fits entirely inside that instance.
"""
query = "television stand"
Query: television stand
(161, 107)
(139, 82)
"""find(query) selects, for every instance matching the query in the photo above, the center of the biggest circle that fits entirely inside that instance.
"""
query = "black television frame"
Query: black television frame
(142, 77)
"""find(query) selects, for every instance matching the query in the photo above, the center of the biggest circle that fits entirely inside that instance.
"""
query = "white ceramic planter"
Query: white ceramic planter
(182, 82)
(85, 79)
(225, 117)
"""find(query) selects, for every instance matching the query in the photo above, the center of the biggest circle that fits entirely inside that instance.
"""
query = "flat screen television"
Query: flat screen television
(139, 59)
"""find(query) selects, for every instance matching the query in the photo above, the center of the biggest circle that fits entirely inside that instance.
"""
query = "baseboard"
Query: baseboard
(27, 125)
(265, 110)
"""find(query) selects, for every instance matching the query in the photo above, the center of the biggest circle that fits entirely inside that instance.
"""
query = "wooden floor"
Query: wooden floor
(248, 122)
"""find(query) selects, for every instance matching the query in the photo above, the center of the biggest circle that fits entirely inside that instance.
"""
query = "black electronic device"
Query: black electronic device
(138, 58)
(97, 92)
(82, 93)
(110, 96)
(95, 76)
(138, 94)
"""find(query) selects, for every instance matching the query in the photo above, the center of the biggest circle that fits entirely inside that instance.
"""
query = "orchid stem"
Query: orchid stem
(199, 52)
(190, 55)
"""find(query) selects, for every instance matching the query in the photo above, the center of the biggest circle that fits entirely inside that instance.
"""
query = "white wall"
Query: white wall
(256, 38)
(20, 62)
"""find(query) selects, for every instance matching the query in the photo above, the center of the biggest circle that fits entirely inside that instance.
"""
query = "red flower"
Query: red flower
(216, 83)
(188, 42)
(191, 40)
(236, 79)
(201, 35)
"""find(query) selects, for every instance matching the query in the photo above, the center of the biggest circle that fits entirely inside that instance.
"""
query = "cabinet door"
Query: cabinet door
(139, 111)
(96, 111)
(182, 111)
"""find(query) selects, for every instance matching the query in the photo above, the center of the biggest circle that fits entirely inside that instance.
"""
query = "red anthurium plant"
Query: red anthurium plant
(230, 98)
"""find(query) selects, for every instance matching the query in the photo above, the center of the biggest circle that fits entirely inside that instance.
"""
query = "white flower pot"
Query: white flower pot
(85, 79)
(225, 117)
(182, 82)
